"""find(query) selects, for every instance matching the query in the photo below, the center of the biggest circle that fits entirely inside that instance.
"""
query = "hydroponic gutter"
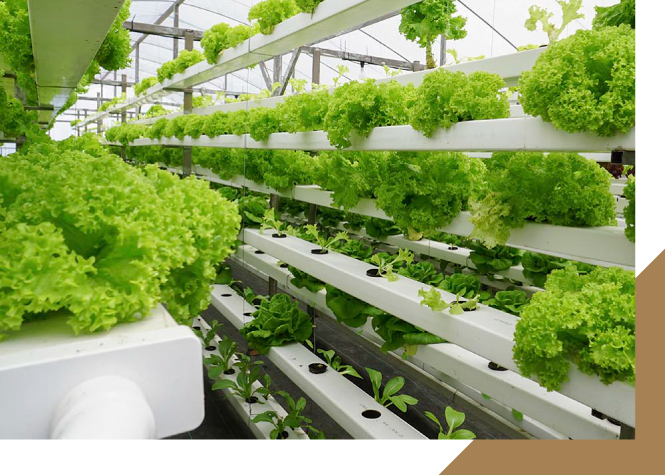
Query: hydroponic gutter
(551, 408)
(247, 412)
(486, 332)
(606, 246)
(336, 395)
(66, 36)
(45, 362)
(330, 17)
(514, 134)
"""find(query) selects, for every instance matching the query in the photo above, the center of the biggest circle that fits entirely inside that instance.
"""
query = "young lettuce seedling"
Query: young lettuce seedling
(322, 241)
(222, 362)
(293, 420)
(243, 387)
(208, 337)
(271, 222)
(390, 395)
(335, 362)
(454, 419)
(432, 299)
(387, 264)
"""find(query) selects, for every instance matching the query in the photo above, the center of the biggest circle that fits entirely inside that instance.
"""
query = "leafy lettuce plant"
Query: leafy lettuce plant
(144, 85)
(585, 83)
(397, 333)
(221, 37)
(263, 121)
(221, 362)
(511, 301)
(588, 320)
(302, 280)
(349, 310)
(445, 98)
(354, 248)
(433, 299)
(184, 60)
(271, 222)
(454, 419)
(335, 362)
(424, 21)
(270, 13)
(359, 107)
(389, 395)
(380, 229)
(97, 242)
(304, 112)
(629, 211)
(623, 13)
(570, 12)
(489, 261)
(426, 191)
(243, 387)
(423, 272)
(293, 420)
(324, 242)
(387, 263)
(464, 285)
(538, 266)
(308, 6)
(564, 189)
(277, 321)
(351, 176)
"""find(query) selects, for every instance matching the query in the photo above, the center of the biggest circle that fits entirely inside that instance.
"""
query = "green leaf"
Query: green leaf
(393, 386)
(463, 434)
(454, 418)
(224, 384)
(375, 377)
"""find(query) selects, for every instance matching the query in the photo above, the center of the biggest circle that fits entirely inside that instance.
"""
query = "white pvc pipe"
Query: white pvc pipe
(107, 407)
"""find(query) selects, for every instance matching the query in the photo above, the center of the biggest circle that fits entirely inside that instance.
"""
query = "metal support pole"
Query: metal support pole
(123, 116)
(187, 109)
(99, 121)
(136, 65)
(316, 66)
(176, 21)
(272, 283)
(115, 86)
(277, 69)
(311, 219)
(442, 53)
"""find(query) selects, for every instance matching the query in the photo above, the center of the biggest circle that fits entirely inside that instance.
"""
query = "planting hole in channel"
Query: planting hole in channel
(371, 414)
(373, 273)
(259, 252)
(247, 314)
(279, 236)
(227, 295)
(319, 252)
(495, 367)
(211, 348)
(317, 368)
(229, 372)
(252, 400)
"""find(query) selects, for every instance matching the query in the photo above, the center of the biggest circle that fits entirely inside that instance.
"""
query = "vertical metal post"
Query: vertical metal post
(176, 22)
(115, 83)
(442, 53)
(123, 116)
(123, 89)
(316, 66)
(99, 104)
(272, 283)
(277, 69)
(78, 118)
(136, 64)
(187, 109)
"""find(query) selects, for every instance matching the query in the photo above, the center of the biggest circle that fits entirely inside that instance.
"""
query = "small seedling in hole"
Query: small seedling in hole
(222, 362)
(271, 222)
(293, 420)
(454, 419)
(432, 298)
(387, 264)
(251, 297)
(518, 415)
(389, 395)
(209, 336)
(243, 386)
(335, 362)
(323, 242)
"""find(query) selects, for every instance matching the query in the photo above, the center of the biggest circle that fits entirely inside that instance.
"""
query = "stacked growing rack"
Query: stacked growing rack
(475, 339)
